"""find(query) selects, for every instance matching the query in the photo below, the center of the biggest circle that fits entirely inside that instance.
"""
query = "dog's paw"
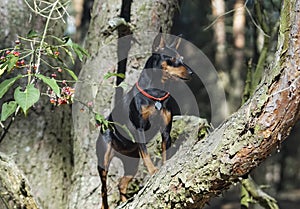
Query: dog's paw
(153, 171)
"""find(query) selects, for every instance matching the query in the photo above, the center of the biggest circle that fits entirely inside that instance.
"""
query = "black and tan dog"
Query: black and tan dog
(146, 109)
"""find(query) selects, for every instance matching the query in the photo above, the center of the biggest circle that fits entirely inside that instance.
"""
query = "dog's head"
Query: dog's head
(169, 60)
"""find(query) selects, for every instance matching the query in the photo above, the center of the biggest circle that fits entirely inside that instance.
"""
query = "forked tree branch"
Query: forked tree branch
(190, 179)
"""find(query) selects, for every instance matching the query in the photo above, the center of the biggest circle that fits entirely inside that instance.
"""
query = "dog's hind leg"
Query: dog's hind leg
(130, 168)
(104, 154)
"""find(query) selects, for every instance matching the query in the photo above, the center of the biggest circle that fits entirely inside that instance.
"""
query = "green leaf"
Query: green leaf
(50, 82)
(126, 130)
(69, 41)
(32, 34)
(8, 109)
(100, 120)
(80, 52)
(109, 74)
(69, 53)
(11, 63)
(27, 98)
(2, 68)
(72, 74)
(49, 51)
(61, 41)
(6, 84)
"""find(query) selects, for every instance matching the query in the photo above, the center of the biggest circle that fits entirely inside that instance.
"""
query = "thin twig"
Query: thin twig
(231, 11)
(256, 24)
(5, 129)
(43, 37)
(217, 18)
(44, 12)
(226, 13)
(292, 85)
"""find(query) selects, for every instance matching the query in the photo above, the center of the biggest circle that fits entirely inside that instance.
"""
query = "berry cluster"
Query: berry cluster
(12, 57)
(66, 97)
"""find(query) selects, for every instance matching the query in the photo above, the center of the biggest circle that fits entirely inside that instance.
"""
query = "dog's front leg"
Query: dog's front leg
(145, 155)
(165, 133)
(166, 143)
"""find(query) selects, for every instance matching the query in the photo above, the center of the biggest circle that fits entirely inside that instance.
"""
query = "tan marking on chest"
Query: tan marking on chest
(166, 115)
(147, 111)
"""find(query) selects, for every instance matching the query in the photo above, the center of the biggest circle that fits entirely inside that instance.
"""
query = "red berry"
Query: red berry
(17, 41)
(16, 53)
(7, 52)
(52, 101)
(53, 75)
(59, 70)
(56, 53)
(62, 101)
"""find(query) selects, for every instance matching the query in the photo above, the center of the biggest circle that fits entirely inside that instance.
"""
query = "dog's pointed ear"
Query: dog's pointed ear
(158, 43)
(176, 42)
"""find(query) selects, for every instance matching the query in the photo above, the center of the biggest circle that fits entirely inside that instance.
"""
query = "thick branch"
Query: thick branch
(190, 179)
(14, 189)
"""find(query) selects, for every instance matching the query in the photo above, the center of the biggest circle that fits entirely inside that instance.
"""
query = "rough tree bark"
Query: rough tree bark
(41, 143)
(14, 188)
(146, 16)
(249, 136)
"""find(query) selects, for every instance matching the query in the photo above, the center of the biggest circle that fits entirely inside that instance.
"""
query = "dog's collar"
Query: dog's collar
(150, 96)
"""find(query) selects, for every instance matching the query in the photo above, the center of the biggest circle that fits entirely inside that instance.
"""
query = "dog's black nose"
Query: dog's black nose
(190, 71)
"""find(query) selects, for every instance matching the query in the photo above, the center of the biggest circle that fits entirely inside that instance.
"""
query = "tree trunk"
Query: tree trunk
(147, 17)
(237, 74)
(218, 11)
(249, 136)
(41, 142)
